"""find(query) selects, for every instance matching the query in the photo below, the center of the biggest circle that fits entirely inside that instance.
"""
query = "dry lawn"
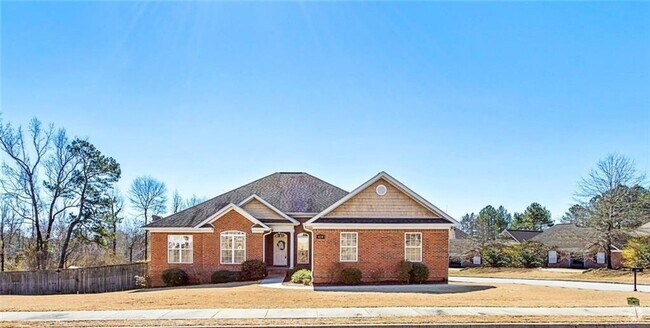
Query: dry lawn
(602, 275)
(254, 296)
(326, 321)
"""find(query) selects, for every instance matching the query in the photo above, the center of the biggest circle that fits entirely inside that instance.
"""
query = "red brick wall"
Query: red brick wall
(380, 249)
(205, 251)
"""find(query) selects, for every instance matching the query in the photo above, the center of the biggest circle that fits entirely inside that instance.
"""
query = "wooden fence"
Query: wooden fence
(72, 281)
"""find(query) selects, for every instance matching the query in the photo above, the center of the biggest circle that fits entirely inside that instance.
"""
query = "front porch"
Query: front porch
(284, 248)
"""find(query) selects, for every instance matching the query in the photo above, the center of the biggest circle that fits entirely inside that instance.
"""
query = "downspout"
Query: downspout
(264, 245)
(311, 253)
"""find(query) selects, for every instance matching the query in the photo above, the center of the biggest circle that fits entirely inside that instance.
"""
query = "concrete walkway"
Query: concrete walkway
(275, 281)
(554, 283)
(314, 313)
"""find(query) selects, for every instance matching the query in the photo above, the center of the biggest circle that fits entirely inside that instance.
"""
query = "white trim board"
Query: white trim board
(395, 184)
(379, 226)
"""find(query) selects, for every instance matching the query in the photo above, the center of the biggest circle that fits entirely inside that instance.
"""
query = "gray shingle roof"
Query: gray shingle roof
(568, 237)
(289, 192)
(520, 235)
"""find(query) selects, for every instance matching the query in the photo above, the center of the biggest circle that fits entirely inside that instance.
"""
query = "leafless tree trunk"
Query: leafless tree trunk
(148, 195)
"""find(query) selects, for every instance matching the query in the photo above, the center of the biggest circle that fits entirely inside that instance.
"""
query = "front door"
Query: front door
(280, 249)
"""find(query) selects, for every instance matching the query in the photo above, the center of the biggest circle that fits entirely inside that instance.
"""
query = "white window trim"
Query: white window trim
(406, 247)
(554, 257)
(304, 234)
(233, 234)
(180, 250)
(356, 247)
(604, 257)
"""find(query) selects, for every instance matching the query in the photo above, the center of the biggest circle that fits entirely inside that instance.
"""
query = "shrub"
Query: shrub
(302, 276)
(495, 255)
(175, 277)
(419, 273)
(351, 276)
(142, 281)
(377, 275)
(636, 252)
(334, 272)
(404, 271)
(253, 270)
(529, 254)
(222, 276)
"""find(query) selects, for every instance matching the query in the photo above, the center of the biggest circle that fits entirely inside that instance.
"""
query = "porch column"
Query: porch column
(291, 241)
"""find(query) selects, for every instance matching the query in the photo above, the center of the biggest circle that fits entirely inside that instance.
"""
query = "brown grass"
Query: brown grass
(253, 296)
(601, 275)
(323, 321)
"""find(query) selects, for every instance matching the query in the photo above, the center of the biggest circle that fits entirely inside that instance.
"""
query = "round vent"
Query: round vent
(381, 190)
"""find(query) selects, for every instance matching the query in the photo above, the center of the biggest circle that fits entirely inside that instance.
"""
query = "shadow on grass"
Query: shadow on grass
(418, 289)
(203, 286)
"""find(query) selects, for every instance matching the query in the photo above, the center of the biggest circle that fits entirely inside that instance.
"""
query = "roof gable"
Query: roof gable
(233, 207)
(264, 211)
(366, 193)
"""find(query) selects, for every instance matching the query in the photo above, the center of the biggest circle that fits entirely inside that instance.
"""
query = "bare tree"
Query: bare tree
(148, 196)
(606, 194)
(115, 205)
(10, 224)
(177, 202)
(193, 201)
(21, 176)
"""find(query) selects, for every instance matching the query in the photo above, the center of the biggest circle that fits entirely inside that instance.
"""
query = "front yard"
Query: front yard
(599, 275)
(254, 296)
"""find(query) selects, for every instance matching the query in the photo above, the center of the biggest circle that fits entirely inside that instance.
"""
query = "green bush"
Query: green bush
(222, 276)
(302, 276)
(636, 252)
(175, 277)
(419, 273)
(529, 254)
(496, 255)
(253, 270)
(404, 270)
(351, 276)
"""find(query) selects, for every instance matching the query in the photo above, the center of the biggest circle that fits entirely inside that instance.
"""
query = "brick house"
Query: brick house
(290, 219)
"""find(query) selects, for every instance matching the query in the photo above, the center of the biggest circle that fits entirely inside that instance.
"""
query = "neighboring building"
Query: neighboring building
(291, 219)
(518, 236)
(462, 250)
(575, 247)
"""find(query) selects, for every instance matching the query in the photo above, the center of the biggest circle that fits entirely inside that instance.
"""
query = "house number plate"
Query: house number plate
(320, 236)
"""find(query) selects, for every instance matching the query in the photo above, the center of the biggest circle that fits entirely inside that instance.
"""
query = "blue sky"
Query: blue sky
(468, 104)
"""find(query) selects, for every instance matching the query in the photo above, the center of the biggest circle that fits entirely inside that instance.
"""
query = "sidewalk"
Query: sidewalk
(314, 313)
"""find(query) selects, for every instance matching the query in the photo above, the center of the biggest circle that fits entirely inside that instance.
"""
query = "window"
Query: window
(476, 260)
(303, 248)
(233, 247)
(552, 257)
(413, 246)
(179, 249)
(349, 249)
(600, 258)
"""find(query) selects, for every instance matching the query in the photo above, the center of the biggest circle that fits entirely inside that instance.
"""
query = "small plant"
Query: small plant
(404, 270)
(377, 275)
(419, 273)
(175, 277)
(351, 276)
(302, 276)
(222, 276)
(142, 281)
(334, 273)
(253, 270)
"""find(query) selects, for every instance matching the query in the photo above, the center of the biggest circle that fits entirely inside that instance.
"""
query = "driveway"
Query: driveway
(554, 283)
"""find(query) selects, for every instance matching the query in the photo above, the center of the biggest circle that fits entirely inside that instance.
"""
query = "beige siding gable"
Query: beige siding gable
(394, 204)
(261, 211)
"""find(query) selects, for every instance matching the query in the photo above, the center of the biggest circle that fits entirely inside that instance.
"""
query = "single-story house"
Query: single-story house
(293, 219)
(518, 236)
(462, 250)
(574, 247)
